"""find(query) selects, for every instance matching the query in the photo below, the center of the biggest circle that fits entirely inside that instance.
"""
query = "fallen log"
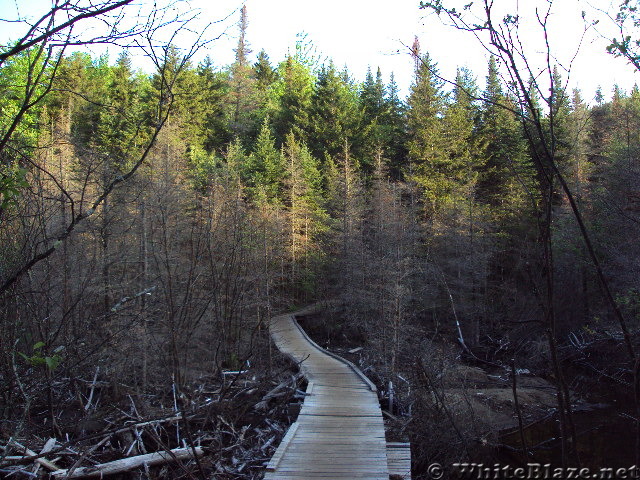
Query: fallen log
(126, 464)
(32, 457)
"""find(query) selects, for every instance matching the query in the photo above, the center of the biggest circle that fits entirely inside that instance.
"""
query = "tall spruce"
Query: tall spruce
(264, 169)
(264, 73)
(394, 130)
(292, 99)
(118, 131)
(242, 92)
(307, 215)
(506, 167)
(429, 161)
(213, 88)
(375, 114)
(334, 116)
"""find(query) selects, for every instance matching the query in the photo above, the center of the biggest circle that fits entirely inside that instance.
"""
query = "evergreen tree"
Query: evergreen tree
(460, 140)
(552, 118)
(265, 81)
(506, 166)
(264, 169)
(94, 88)
(429, 160)
(334, 115)
(394, 130)
(235, 160)
(307, 216)
(213, 87)
(599, 97)
(559, 107)
(533, 111)
(346, 198)
(243, 101)
(372, 98)
(374, 113)
(291, 100)
(578, 128)
(176, 85)
(263, 72)
(118, 130)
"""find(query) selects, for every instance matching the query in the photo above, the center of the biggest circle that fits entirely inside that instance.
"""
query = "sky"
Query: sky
(375, 33)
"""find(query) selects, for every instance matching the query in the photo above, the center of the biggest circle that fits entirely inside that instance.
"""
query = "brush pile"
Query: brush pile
(225, 427)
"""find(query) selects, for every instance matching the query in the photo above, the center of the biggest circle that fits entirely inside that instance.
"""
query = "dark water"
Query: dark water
(606, 438)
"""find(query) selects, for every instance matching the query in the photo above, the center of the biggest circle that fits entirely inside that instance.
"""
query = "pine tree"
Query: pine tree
(235, 160)
(264, 73)
(372, 98)
(578, 128)
(177, 85)
(460, 138)
(551, 113)
(394, 130)
(347, 202)
(64, 108)
(118, 130)
(265, 78)
(374, 114)
(94, 87)
(559, 108)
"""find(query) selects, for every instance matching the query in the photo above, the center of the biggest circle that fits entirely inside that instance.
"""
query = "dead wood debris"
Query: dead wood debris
(232, 428)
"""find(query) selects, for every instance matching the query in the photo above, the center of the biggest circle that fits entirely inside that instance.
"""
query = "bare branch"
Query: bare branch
(27, 42)
(164, 108)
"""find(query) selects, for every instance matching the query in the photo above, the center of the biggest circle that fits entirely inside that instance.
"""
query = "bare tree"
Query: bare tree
(52, 186)
(499, 33)
(500, 36)
(43, 46)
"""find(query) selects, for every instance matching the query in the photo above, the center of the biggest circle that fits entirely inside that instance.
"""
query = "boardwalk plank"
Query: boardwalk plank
(339, 432)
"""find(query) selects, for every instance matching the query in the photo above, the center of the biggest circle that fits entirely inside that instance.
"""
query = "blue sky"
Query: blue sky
(362, 33)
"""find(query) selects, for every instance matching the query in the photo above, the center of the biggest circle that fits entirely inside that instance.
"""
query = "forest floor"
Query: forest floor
(233, 421)
(487, 391)
(238, 419)
(453, 388)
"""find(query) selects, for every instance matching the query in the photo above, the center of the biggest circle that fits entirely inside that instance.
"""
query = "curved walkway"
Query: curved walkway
(339, 433)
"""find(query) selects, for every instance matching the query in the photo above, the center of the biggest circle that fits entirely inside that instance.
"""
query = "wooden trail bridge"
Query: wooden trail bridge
(339, 433)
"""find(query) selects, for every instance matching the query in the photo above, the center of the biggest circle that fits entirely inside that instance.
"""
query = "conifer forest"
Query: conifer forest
(472, 246)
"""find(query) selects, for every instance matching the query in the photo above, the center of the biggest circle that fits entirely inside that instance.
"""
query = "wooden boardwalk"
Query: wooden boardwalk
(339, 433)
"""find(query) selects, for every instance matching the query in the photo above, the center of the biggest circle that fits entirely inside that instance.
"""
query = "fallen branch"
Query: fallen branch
(48, 446)
(275, 392)
(76, 465)
(30, 453)
(126, 464)
(93, 387)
